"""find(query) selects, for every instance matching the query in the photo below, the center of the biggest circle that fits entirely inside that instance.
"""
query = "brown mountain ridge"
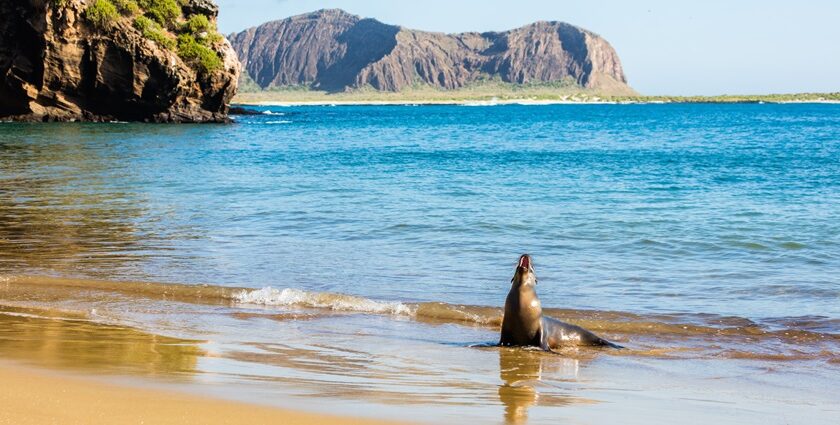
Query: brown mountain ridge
(334, 51)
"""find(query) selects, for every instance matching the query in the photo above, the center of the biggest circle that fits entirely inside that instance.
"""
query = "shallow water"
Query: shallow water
(327, 352)
(355, 255)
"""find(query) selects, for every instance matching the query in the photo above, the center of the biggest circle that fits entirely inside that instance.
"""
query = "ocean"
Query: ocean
(357, 257)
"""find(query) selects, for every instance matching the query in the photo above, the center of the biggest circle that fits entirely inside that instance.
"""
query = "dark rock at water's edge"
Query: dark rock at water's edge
(58, 63)
(239, 110)
(332, 50)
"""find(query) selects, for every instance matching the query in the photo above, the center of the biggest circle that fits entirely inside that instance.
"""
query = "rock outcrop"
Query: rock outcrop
(59, 63)
(332, 50)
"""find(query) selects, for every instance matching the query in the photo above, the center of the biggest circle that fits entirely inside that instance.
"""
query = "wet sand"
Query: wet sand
(31, 396)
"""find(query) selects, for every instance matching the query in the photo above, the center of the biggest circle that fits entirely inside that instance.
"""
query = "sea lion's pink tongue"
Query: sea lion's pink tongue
(525, 262)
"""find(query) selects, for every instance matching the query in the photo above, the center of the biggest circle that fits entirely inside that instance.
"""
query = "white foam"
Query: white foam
(273, 113)
(337, 302)
(279, 122)
(25, 315)
(45, 317)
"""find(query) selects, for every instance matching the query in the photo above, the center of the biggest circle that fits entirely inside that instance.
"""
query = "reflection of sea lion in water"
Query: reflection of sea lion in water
(524, 324)
(519, 372)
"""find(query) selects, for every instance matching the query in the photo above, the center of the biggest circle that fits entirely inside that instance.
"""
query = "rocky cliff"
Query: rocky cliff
(103, 60)
(335, 51)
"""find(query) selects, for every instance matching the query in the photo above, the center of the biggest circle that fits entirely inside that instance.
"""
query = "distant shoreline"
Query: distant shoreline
(505, 97)
(524, 102)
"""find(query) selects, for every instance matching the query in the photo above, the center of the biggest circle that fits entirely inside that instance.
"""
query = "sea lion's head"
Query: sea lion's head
(524, 274)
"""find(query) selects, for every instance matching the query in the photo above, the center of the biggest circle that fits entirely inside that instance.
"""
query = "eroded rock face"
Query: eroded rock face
(335, 51)
(56, 66)
(204, 7)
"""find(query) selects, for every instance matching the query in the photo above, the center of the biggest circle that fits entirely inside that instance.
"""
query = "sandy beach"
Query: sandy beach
(32, 396)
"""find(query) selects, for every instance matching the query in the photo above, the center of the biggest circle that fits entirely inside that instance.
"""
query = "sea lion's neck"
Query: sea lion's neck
(524, 288)
(524, 291)
(524, 281)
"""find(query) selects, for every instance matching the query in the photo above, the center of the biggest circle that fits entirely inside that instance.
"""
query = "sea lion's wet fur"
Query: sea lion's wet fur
(524, 324)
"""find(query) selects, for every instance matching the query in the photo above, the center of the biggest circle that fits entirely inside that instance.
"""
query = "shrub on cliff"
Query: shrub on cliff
(201, 56)
(202, 29)
(164, 12)
(197, 24)
(213, 38)
(127, 7)
(101, 13)
(153, 31)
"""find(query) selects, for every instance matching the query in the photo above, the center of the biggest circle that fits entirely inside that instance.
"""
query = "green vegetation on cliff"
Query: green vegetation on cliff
(197, 24)
(127, 7)
(164, 12)
(198, 54)
(153, 31)
(193, 37)
(101, 13)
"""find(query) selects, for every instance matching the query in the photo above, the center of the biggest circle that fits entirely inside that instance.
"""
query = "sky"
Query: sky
(667, 47)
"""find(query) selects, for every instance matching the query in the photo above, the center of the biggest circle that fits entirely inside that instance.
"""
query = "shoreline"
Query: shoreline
(414, 103)
(36, 396)
(523, 102)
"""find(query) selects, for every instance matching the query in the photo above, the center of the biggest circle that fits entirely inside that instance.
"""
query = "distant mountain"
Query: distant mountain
(332, 50)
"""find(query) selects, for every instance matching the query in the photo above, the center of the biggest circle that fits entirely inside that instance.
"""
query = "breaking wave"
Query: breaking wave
(339, 302)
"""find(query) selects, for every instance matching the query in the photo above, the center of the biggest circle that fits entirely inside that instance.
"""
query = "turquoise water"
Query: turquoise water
(339, 244)
(726, 209)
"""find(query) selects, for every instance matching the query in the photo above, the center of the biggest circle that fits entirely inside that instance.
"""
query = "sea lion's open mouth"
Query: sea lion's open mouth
(525, 261)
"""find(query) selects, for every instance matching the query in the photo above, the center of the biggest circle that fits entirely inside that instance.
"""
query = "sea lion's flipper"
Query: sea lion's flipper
(565, 333)
(506, 339)
(606, 343)
(601, 342)
(545, 345)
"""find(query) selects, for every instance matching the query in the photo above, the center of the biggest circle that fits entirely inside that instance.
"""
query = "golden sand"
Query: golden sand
(29, 396)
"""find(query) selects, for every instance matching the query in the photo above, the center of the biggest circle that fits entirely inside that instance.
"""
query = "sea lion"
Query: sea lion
(524, 324)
